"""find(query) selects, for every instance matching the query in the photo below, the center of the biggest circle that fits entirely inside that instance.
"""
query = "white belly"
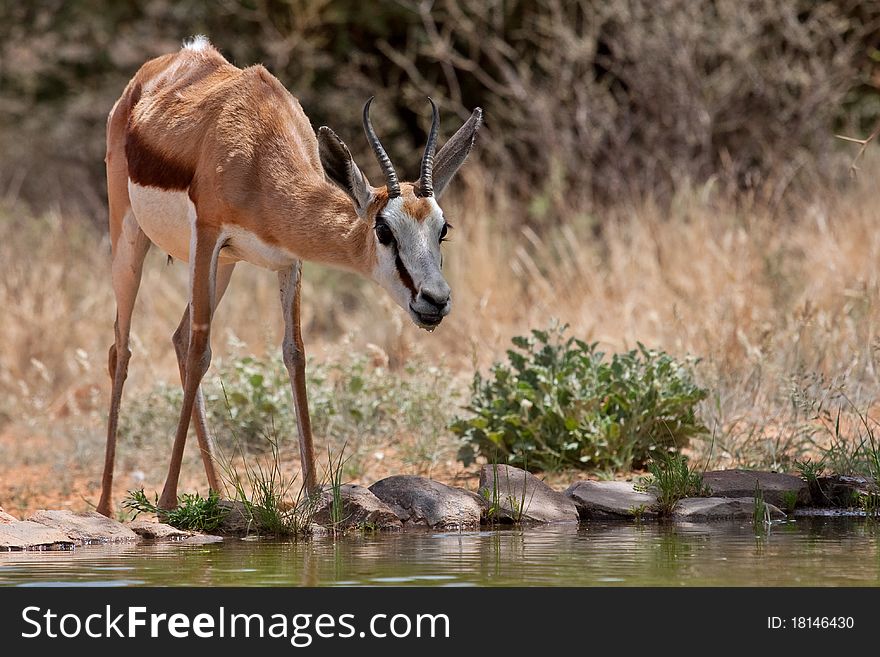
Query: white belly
(242, 245)
(167, 217)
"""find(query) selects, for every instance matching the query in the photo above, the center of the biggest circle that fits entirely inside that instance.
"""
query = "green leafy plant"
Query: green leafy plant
(638, 512)
(558, 402)
(349, 397)
(869, 502)
(789, 500)
(193, 512)
(248, 393)
(673, 479)
(809, 470)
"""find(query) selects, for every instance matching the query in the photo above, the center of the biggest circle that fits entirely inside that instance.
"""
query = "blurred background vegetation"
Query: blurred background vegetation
(657, 172)
(587, 102)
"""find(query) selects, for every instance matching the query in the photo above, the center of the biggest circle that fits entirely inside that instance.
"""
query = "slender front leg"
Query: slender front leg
(128, 262)
(290, 281)
(181, 347)
(205, 246)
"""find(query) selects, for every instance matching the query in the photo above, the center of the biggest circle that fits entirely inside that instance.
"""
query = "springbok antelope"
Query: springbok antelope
(216, 164)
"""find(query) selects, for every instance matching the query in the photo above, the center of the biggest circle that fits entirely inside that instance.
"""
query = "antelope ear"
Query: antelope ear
(455, 152)
(339, 167)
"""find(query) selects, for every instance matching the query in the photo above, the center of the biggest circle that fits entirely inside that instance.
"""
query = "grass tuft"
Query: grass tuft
(673, 479)
(761, 512)
(193, 512)
(508, 506)
(263, 489)
(333, 475)
(789, 501)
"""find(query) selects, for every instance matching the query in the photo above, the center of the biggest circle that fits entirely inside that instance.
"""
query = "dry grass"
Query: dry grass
(783, 311)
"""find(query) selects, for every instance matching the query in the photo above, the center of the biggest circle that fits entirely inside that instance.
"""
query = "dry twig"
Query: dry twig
(853, 168)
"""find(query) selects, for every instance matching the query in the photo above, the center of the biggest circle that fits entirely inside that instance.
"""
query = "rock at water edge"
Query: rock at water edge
(85, 526)
(422, 501)
(609, 500)
(516, 495)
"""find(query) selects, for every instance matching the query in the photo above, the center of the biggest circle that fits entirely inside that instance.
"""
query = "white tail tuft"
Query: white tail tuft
(198, 42)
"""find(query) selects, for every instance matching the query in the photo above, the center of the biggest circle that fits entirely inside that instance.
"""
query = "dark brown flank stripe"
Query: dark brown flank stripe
(148, 167)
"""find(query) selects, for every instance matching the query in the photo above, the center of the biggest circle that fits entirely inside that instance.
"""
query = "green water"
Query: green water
(819, 551)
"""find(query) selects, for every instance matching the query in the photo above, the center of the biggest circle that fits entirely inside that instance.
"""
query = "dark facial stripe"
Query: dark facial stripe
(405, 278)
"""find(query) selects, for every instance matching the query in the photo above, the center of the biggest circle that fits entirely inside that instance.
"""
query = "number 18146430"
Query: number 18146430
(810, 623)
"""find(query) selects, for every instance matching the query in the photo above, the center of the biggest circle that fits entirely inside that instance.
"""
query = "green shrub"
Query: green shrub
(240, 402)
(247, 396)
(352, 401)
(559, 402)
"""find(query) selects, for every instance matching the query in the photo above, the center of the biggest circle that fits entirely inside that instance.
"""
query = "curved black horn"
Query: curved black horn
(391, 181)
(426, 175)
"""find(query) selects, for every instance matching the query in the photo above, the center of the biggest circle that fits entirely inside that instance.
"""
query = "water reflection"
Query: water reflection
(825, 551)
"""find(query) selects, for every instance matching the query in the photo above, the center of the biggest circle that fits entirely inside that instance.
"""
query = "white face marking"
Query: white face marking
(417, 244)
(167, 218)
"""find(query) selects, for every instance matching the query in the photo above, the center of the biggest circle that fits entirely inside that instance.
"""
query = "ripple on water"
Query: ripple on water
(827, 551)
(116, 583)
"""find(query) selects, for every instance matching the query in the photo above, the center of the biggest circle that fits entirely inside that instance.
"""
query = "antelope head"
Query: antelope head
(407, 224)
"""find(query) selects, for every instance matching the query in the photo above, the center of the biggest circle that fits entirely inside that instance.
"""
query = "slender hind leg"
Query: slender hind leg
(290, 281)
(205, 245)
(181, 344)
(129, 252)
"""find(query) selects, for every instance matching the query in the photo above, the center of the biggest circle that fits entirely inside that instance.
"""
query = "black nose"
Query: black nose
(435, 297)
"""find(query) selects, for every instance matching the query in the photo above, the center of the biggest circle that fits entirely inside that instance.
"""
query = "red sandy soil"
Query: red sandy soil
(39, 473)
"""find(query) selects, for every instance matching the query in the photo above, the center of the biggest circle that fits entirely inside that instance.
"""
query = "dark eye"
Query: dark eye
(443, 231)
(384, 234)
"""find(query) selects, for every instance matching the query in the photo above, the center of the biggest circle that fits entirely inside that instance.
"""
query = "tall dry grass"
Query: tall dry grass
(783, 310)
